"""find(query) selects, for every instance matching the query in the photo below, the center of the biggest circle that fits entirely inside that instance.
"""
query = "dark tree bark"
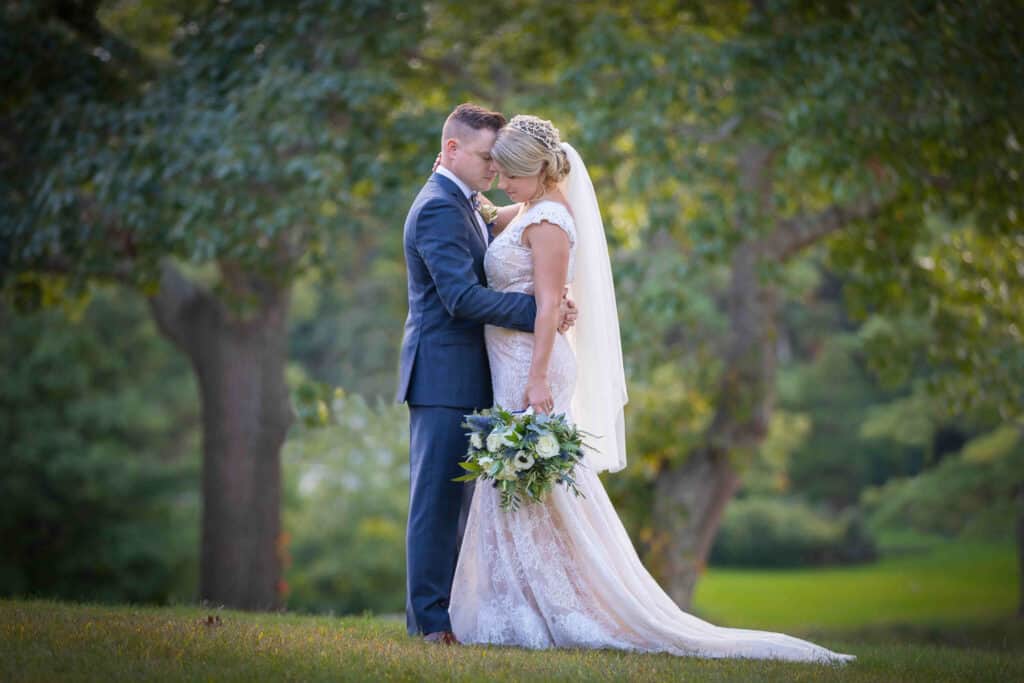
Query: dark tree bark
(691, 497)
(1020, 550)
(239, 361)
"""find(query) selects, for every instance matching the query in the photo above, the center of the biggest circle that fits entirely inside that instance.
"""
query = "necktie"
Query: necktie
(473, 203)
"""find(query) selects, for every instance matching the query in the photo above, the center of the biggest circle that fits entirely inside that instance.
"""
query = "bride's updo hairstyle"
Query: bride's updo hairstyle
(529, 145)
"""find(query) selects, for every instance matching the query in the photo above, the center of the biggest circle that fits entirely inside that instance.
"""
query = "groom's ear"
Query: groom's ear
(449, 147)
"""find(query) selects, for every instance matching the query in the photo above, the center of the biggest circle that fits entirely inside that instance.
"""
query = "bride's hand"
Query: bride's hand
(538, 395)
(437, 162)
(566, 312)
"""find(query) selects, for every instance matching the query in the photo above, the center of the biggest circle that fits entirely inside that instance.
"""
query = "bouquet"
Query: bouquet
(524, 453)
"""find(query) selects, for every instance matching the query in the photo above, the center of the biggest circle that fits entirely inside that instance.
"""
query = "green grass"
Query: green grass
(48, 641)
(953, 583)
(959, 632)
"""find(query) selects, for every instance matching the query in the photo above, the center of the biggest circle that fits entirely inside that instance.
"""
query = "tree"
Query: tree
(257, 147)
(752, 132)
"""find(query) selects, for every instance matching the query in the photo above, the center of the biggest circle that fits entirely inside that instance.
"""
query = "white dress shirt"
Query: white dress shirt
(468, 193)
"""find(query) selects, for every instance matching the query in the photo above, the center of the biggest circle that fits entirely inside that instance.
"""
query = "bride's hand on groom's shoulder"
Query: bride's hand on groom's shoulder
(567, 313)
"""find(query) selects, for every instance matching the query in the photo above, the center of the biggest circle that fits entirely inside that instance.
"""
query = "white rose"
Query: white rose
(476, 441)
(523, 460)
(485, 461)
(495, 440)
(508, 472)
(501, 437)
(548, 446)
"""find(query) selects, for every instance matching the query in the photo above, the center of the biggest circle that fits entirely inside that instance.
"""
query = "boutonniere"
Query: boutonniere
(488, 211)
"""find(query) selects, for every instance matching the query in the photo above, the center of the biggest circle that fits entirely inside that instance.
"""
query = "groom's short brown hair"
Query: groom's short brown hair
(472, 116)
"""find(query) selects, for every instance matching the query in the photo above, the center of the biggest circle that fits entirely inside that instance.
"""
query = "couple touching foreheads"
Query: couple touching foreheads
(489, 324)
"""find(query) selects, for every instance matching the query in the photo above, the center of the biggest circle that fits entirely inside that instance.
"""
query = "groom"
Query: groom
(443, 369)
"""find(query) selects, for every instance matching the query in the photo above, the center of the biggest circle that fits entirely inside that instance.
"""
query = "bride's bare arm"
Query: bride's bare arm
(549, 246)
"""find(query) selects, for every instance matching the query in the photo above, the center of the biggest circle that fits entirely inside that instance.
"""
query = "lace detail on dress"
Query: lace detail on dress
(564, 573)
(509, 263)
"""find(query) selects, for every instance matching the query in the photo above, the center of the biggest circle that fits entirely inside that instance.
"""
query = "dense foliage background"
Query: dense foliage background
(815, 217)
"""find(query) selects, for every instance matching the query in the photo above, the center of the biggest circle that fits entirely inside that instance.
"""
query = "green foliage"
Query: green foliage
(773, 532)
(671, 331)
(836, 392)
(955, 309)
(904, 106)
(98, 474)
(343, 330)
(266, 143)
(969, 494)
(768, 471)
(345, 509)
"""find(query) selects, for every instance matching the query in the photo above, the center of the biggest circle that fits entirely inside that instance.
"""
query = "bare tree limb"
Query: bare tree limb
(705, 136)
(794, 234)
(121, 272)
(171, 304)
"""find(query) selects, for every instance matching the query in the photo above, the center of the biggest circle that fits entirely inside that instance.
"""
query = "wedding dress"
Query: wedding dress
(563, 573)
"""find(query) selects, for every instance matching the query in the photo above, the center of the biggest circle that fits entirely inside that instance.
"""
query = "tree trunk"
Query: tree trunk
(690, 497)
(1020, 550)
(239, 361)
(688, 504)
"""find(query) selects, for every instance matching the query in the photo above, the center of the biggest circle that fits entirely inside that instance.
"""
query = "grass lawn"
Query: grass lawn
(952, 583)
(51, 641)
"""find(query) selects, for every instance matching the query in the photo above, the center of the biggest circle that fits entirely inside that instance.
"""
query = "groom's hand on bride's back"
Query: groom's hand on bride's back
(567, 312)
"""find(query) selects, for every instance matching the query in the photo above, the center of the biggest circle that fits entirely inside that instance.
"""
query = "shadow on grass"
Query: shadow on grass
(1005, 635)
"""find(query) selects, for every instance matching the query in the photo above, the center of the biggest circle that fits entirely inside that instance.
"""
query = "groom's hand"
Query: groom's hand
(567, 312)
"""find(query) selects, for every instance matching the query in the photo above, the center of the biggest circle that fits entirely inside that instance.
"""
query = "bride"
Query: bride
(563, 573)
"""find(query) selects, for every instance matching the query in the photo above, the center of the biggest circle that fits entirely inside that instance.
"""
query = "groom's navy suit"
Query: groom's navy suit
(444, 374)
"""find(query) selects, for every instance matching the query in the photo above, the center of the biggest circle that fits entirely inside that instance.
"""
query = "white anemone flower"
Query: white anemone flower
(523, 460)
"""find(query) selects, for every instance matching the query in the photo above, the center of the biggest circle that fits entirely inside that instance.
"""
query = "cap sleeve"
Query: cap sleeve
(551, 211)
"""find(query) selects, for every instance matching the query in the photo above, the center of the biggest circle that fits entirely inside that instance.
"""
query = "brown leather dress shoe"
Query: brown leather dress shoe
(442, 637)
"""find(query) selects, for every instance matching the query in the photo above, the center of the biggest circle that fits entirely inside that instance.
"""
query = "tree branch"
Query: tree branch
(794, 234)
(171, 303)
(704, 136)
(122, 272)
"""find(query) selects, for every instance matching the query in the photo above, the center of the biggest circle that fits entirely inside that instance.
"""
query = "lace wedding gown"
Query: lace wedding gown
(563, 573)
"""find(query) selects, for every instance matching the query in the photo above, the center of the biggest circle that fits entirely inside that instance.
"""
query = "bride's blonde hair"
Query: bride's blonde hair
(529, 145)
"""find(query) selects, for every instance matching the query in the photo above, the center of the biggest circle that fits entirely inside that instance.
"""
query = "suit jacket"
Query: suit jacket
(443, 360)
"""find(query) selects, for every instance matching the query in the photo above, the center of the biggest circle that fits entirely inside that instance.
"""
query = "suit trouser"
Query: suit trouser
(438, 508)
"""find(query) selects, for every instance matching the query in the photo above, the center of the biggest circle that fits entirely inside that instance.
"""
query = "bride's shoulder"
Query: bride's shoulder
(553, 211)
